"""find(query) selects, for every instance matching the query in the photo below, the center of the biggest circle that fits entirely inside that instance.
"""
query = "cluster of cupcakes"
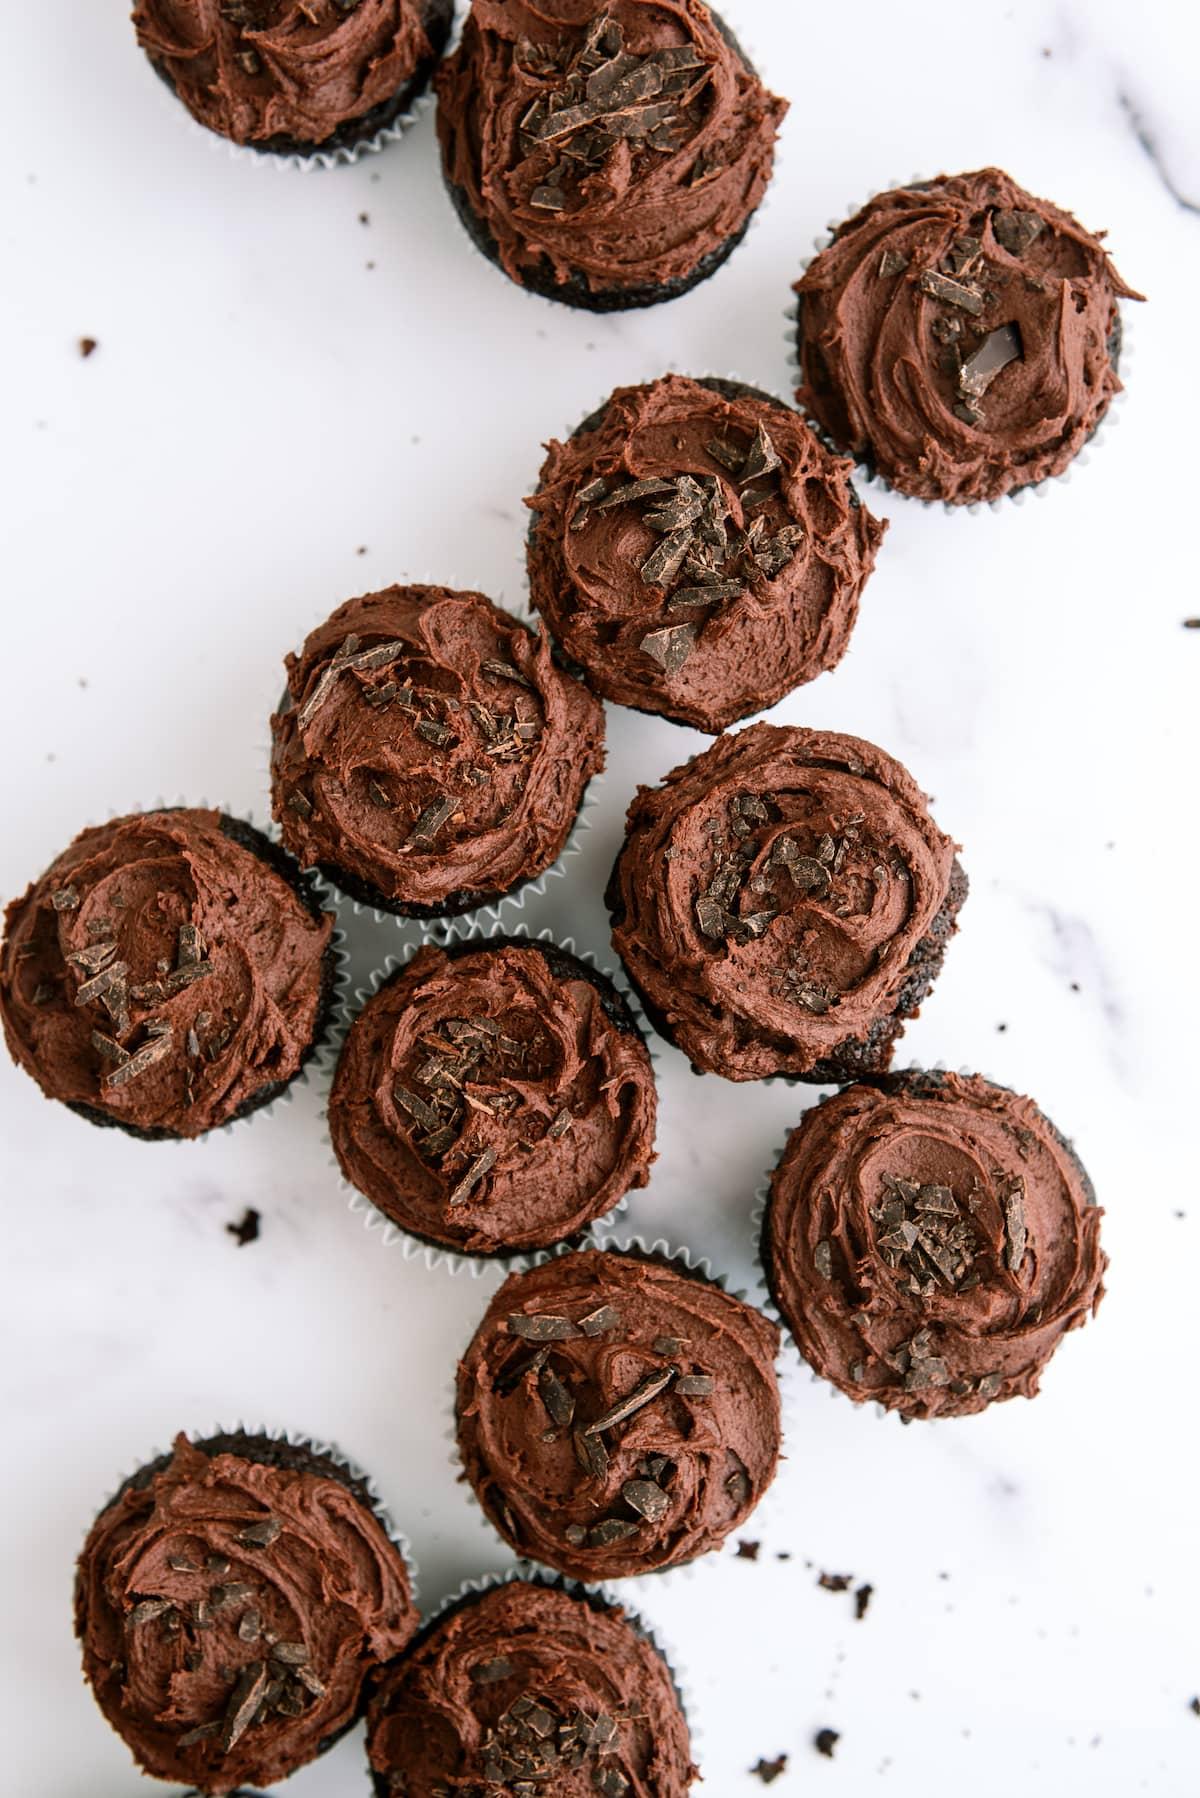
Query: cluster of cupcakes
(781, 906)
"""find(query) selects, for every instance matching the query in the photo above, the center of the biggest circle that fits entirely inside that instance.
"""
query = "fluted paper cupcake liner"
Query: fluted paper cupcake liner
(333, 156)
(766, 1513)
(865, 472)
(392, 1234)
(596, 1594)
(487, 910)
(336, 958)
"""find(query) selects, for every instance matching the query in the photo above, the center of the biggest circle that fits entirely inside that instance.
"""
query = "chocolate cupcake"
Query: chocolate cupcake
(929, 1240)
(607, 155)
(232, 1600)
(618, 1413)
(525, 1686)
(494, 1096)
(961, 337)
(783, 903)
(429, 756)
(172, 971)
(295, 77)
(697, 551)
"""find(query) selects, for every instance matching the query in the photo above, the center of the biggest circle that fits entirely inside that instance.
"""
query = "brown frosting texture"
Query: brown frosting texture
(162, 973)
(959, 336)
(526, 1688)
(782, 902)
(617, 1413)
(621, 143)
(698, 551)
(929, 1242)
(256, 70)
(495, 1099)
(230, 1611)
(429, 754)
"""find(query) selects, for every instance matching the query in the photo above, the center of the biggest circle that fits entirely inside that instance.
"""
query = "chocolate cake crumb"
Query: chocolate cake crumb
(835, 1582)
(769, 1771)
(748, 1551)
(246, 1230)
(862, 1600)
(825, 1741)
(88, 347)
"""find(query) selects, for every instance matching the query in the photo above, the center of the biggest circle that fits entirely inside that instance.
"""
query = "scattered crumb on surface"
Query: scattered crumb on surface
(1194, 1707)
(825, 1741)
(748, 1551)
(862, 1602)
(364, 218)
(88, 346)
(247, 1228)
(835, 1582)
(769, 1771)
(1191, 624)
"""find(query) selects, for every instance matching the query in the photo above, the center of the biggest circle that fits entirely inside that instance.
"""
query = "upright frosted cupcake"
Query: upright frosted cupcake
(430, 756)
(232, 1600)
(169, 973)
(783, 904)
(961, 337)
(697, 551)
(494, 1097)
(295, 76)
(929, 1241)
(525, 1688)
(618, 1413)
(607, 155)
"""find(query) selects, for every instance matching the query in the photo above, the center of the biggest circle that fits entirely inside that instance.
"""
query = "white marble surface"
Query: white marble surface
(278, 384)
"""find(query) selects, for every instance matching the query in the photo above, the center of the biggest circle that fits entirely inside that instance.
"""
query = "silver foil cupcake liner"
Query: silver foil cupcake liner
(391, 1234)
(865, 474)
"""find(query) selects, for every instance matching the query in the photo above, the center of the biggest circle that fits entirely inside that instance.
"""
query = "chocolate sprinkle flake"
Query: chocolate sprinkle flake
(65, 899)
(668, 1345)
(156, 1049)
(244, 1702)
(823, 1260)
(892, 262)
(1015, 230)
(643, 1394)
(670, 647)
(601, 1321)
(481, 1166)
(647, 1499)
(825, 1741)
(560, 1406)
(262, 1534)
(202, 1733)
(862, 1600)
(561, 1124)
(1014, 1224)
(695, 1385)
(953, 293)
(506, 671)
(612, 1530)
(998, 349)
(431, 821)
(542, 1326)
(148, 1610)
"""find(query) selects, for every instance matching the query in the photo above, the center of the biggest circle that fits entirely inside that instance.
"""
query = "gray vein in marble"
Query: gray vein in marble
(1150, 144)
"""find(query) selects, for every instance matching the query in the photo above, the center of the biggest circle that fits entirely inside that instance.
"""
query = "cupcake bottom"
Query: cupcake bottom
(853, 1059)
(280, 862)
(353, 134)
(576, 291)
(455, 905)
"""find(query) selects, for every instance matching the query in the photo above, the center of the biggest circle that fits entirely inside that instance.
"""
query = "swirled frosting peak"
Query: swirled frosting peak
(291, 72)
(164, 973)
(617, 1413)
(618, 144)
(929, 1241)
(783, 902)
(961, 336)
(231, 1601)
(528, 1688)
(698, 551)
(495, 1096)
(430, 754)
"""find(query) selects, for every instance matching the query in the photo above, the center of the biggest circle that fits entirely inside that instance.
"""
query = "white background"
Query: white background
(278, 384)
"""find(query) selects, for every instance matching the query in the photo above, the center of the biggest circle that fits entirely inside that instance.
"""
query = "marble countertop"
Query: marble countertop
(310, 385)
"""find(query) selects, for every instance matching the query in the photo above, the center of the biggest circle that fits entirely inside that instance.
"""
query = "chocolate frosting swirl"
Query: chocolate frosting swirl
(163, 974)
(294, 70)
(528, 1688)
(960, 336)
(782, 902)
(929, 1242)
(757, 592)
(494, 1097)
(429, 754)
(641, 173)
(231, 1601)
(617, 1413)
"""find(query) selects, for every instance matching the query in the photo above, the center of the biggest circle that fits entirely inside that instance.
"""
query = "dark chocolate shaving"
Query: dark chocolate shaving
(643, 1394)
(542, 1327)
(953, 293)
